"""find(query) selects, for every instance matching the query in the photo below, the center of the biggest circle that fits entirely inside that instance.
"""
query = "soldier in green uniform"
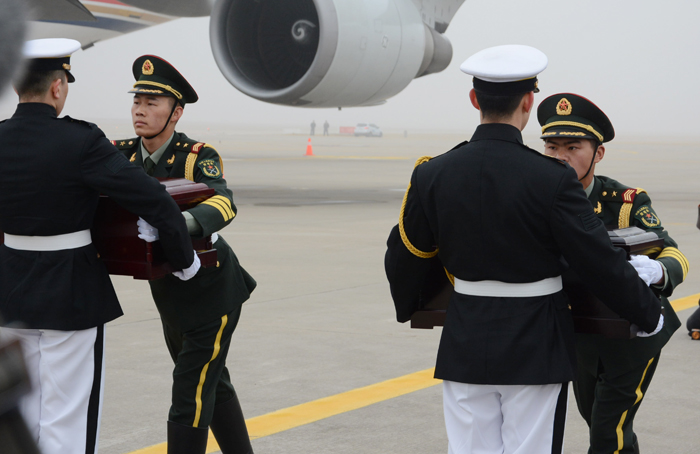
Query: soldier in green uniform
(200, 317)
(613, 375)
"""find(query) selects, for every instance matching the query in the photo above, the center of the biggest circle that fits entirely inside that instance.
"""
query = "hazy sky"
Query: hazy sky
(638, 61)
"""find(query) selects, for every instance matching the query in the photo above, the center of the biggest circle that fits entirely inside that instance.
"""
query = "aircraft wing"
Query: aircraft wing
(437, 14)
(63, 10)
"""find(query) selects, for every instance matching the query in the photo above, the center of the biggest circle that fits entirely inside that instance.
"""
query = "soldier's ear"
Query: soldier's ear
(177, 113)
(599, 154)
(472, 98)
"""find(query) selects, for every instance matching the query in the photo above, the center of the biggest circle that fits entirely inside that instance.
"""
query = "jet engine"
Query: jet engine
(324, 53)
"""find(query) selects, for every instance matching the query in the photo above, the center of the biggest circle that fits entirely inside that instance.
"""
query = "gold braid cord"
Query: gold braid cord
(414, 250)
(626, 211)
(451, 277)
(189, 166)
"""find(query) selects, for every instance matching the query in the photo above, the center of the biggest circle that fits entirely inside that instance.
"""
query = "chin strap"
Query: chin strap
(589, 167)
(167, 122)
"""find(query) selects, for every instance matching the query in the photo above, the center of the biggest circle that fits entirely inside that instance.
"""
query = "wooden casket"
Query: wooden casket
(590, 315)
(115, 235)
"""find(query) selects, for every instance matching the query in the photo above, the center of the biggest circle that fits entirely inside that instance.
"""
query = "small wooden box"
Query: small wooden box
(115, 235)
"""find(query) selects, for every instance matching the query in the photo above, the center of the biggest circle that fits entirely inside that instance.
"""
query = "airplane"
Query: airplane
(304, 53)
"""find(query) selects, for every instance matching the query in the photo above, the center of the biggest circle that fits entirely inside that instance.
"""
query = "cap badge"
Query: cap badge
(147, 68)
(564, 107)
(66, 66)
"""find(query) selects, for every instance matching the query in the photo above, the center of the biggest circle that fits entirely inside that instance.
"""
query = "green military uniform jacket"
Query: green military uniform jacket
(213, 292)
(620, 206)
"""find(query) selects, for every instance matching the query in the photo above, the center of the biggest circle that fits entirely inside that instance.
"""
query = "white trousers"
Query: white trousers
(505, 419)
(66, 370)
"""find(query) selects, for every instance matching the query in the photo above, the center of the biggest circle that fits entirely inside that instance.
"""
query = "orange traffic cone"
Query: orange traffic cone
(309, 148)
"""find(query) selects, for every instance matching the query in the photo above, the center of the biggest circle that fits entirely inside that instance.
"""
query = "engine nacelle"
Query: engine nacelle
(324, 53)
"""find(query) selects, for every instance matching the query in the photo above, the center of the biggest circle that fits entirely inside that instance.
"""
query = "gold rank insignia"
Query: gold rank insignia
(564, 107)
(122, 143)
(147, 68)
(614, 193)
(172, 159)
(131, 142)
(605, 193)
(133, 157)
(598, 209)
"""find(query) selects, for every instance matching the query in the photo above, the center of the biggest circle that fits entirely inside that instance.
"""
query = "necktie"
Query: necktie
(149, 165)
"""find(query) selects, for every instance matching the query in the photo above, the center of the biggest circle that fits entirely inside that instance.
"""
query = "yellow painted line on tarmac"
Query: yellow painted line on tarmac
(299, 415)
(307, 413)
(685, 303)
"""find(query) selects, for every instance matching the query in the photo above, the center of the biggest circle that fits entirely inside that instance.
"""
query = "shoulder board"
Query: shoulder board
(459, 145)
(80, 122)
(620, 194)
(551, 157)
(190, 147)
(125, 144)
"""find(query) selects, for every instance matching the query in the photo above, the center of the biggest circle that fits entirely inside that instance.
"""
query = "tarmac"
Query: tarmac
(319, 339)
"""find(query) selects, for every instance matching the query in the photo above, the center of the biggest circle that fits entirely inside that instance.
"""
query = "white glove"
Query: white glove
(147, 232)
(650, 271)
(658, 328)
(214, 237)
(188, 273)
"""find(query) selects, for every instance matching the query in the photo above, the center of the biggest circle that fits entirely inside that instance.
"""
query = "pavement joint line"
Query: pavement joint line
(316, 410)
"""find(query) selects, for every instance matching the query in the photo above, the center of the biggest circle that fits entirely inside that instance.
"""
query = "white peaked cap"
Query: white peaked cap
(508, 63)
(50, 48)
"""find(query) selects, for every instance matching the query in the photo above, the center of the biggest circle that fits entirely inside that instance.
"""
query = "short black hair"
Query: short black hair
(37, 83)
(498, 106)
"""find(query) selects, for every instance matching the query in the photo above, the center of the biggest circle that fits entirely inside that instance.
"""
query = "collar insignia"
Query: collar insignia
(564, 107)
(598, 209)
(172, 159)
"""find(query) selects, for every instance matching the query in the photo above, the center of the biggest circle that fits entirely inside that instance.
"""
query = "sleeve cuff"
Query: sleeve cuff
(193, 227)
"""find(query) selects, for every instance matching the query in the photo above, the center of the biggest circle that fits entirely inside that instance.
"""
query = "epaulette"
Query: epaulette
(460, 145)
(621, 195)
(552, 157)
(80, 122)
(124, 144)
(191, 147)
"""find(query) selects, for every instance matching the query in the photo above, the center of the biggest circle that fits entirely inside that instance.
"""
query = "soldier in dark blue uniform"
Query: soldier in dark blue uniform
(613, 375)
(500, 217)
(55, 293)
(200, 316)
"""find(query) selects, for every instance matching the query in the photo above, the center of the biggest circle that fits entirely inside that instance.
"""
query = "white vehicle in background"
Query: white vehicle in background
(368, 130)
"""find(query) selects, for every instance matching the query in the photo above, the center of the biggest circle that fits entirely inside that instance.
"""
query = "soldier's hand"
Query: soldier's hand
(650, 271)
(147, 232)
(658, 328)
(188, 273)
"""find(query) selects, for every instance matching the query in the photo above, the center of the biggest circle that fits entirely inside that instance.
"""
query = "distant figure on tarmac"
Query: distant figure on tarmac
(325, 128)
(313, 127)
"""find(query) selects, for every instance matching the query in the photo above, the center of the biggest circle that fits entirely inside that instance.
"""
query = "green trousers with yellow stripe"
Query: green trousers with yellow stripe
(608, 399)
(200, 378)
